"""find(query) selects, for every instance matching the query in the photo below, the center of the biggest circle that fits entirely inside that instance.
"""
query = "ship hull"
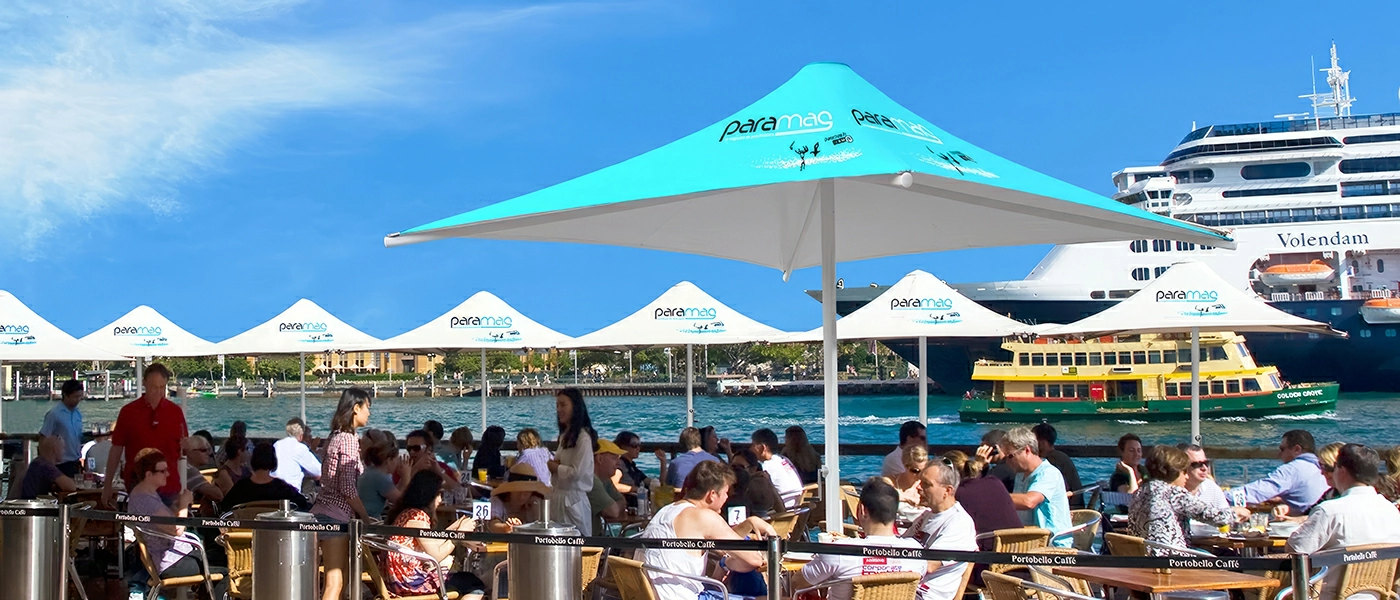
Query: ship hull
(1305, 399)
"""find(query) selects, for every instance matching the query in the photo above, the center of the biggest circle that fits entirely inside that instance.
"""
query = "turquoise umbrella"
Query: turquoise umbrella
(770, 184)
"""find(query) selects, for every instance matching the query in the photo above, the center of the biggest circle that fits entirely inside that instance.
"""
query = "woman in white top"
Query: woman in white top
(571, 470)
(909, 484)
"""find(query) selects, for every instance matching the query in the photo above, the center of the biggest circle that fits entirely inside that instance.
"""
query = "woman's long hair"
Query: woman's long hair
(799, 450)
(344, 419)
(578, 422)
(422, 490)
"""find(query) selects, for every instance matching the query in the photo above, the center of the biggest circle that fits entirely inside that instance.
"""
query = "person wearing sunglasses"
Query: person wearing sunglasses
(151, 471)
(1198, 477)
(1298, 482)
(908, 484)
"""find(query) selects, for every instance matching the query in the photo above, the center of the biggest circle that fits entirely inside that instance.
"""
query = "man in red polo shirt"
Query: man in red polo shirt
(151, 421)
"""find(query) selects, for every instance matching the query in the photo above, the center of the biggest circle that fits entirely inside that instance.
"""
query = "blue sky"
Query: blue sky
(220, 159)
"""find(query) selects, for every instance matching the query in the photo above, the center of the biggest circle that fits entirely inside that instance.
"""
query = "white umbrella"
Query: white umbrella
(682, 316)
(302, 328)
(923, 306)
(27, 337)
(769, 184)
(144, 333)
(481, 322)
(1190, 296)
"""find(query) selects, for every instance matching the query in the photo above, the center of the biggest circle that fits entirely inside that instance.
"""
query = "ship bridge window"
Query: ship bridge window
(1307, 189)
(1095, 359)
(1154, 357)
(1371, 139)
(1023, 359)
(1194, 175)
(1142, 274)
(1037, 360)
(1171, 389)
(1139, 357)
(1217, 353)
(1217, 387)
(1252, 385)
(1244, 351)
(1138, 245)
(1370, 165)
(1232, 386)
(1169, 357)
(1328, 213)
(1276, 170)
(1161, 245)
(1110, 358)
(1378, 211)
(1253, 217)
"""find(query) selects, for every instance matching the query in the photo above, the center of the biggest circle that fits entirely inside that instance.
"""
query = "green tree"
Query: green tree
(281, 367)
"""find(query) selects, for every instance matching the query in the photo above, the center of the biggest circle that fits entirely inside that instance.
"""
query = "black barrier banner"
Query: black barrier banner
(212, 523)
(21, 511)
(1048, 560)
(1348, 556)
(571, 540)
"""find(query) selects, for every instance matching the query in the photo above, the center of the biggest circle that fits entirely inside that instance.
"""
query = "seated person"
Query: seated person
(236, 455)
(779, 469)
(488, 454)
(517, 500)
(376, 485)
(908, 483)
(1127, 474)
(879, 505)
(693, 454)
(1298, 482)
(696, 516)
(43, 476)
(406, 576)
(1358, 517)
(262, 485)
(604, 501)
(172, 559)
(1161, 507)
(421, 457)
(532, 452)
(752, 488)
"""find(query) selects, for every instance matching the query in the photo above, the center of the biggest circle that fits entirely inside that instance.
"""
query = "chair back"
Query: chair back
(76, 526)
(631, 579)
(592, 558)
(1003, 587)
(1021, 539)
(371, 568)
(1084, 537)
(238, 545)
(785, 524)
(885, 586)
(663, 495)
(851, 498)
(1375, 576)
(1125, 545)
(809, 493)
(1070, 584)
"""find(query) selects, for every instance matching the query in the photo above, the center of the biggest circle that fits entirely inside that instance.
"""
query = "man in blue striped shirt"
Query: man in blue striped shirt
(1298, 482)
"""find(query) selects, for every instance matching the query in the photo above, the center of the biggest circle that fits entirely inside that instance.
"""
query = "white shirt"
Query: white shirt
(785, 479)
(951, 529)
(826, 567)
(1210, 493)
(294, 462)
(894, 463)
(1359, 516)
(661, 527)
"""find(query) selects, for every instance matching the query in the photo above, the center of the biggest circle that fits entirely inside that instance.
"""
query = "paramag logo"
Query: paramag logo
(772, 126)
(880, 122)
(486, 322)
(314, 332)
(1204, 301)
(137, 330)
(941, 310)
(692, 316)
(18, 335)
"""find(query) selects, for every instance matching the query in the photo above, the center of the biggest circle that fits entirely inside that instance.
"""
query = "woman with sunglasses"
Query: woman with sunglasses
(1161, 507)
(909, 484)
(172, 559)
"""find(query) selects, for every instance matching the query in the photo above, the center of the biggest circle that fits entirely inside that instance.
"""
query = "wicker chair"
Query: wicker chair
(592, 560)
(1044, 577)
(786, 524)
(157, 582)
(634, 584)
(75, 536)
(1125, 545)
(1085, 528)
(370, 545)
(1006, 587)
(1021, 539)
(1375, 576)
(883, 586)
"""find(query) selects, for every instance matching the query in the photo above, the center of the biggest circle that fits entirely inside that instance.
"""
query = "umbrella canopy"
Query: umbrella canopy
(27, 337)
(145, 332)
(303, 328)
(482, 322)
(1190, 296)
(769, 184)
(685, 314)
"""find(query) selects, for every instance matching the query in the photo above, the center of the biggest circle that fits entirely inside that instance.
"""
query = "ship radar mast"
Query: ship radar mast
(1339, 99)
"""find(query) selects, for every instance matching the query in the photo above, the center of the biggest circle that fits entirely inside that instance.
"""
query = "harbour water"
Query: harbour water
(1372, 419)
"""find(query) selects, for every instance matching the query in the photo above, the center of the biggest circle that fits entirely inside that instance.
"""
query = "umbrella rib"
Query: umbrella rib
(801, 235)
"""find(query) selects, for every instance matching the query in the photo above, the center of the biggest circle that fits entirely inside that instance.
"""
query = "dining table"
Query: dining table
(1244, 545)
(1150, 581)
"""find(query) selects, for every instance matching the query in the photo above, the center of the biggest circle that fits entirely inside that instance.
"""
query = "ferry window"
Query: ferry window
(1169, 357)
(1380, 265)
(1370, 165)
(1052, 360)
(1125, 358)
(1139, 357)
(1276, 170)
(1097, 295)
(1081, 390)
(1095, 359)
(1024, 359)
(1110, 358)
(1244, 351)
(1138, 245)
(1171, 389)
(1053, 391)
(1365, 333)
(1252, 385)
(1217, 387)
(1142, 274)
(1039, 390)
(1037, 360)
(1081, 359)
(1217, 353)
(1336, 311)
(1157, 272)
(1185, 246)
(1066, 359)
(1154, 357)
(1273, 378)
(1232, 386)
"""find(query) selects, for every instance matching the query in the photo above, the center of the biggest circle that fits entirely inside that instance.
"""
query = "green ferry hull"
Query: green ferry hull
(1300, 399)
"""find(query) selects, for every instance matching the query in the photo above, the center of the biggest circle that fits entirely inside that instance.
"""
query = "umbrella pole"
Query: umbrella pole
(485, 389)
(826, 188)
(923, 389)
(1196, 385)
(689, 385)
(302, 358)
(2, 402)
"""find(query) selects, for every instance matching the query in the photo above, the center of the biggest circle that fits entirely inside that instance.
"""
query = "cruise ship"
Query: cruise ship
(1307, 198)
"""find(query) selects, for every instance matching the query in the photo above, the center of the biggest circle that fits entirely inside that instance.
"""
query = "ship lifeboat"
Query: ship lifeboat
(1381, 310)
(1305, 274)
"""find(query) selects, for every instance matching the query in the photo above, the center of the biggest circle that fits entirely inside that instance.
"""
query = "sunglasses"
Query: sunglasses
(415, 447)
(915, 471)
(1200, 463)
(1329, 468)
(162, 471)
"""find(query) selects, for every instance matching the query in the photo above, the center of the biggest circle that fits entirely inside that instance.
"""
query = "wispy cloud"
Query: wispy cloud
(111, 105)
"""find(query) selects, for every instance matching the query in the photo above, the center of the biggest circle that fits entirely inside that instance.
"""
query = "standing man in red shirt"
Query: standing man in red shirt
(151, 421)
